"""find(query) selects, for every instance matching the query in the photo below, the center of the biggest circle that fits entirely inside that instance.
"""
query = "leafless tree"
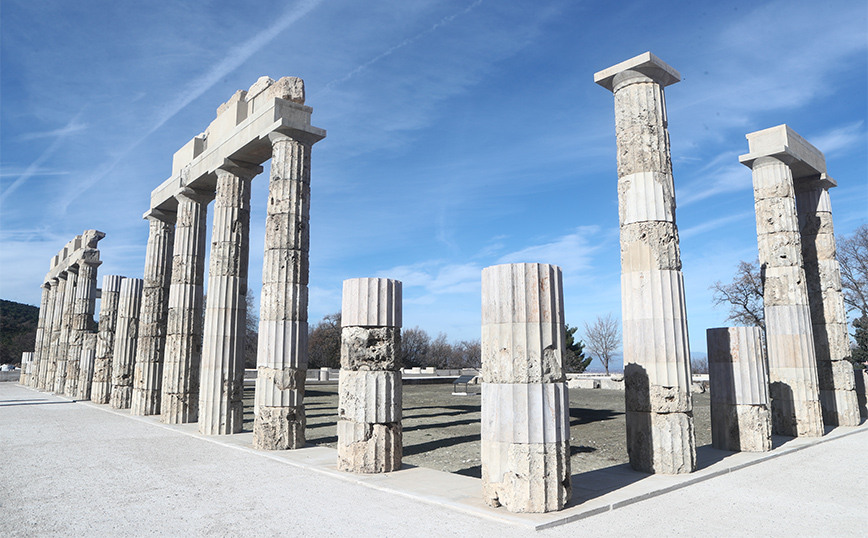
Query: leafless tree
(853, 259)
(414, 347)
(744, 295)
(603, 338)
(324, 343)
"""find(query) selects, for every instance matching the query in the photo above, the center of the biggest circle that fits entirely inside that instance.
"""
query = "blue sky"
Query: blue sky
(461, 134)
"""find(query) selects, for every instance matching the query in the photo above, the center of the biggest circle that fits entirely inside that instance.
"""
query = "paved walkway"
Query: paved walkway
(79, 469)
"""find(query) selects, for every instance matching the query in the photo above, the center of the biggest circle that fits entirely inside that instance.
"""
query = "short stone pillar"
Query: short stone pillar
(82, 317)
(86, 366)
(324, 373)
(46, 373)
(659, 405)
(738, 379)
(38, 349)
(793, 388)
(525, 401)
(222, 376)
(124, 356)
(65, 330)
(26, 367)
(369, 385)
(108, 321)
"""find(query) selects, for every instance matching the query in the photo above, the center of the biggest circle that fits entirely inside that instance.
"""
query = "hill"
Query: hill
(17, 330)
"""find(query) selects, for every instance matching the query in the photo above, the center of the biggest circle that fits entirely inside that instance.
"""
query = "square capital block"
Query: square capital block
(806, 162)
(647, 64)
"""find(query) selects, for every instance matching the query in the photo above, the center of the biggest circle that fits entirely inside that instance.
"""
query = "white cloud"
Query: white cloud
(840, 138)
(571, 252)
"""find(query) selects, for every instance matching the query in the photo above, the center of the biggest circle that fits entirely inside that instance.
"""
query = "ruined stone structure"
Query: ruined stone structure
(660, 434)
(86, 366)
(370, 388)
(26, 367)
(32, 378)
(525, 402)
(82, 316)
(738, 377)
(108, 320)
(124, 355)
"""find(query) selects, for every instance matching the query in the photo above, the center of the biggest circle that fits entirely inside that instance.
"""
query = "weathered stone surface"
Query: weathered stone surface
(65, 330)
(82, 320)
(369, 448)
(126, 333)
(525, 412)
(86, 365)
(371, 302)
(370, 348)
(526, 477)
(661, 442)
(741, 428)
(370, 396)
(108, 318)
(280, 428)
(46, 375)
(26, 365)
(650, 245)
(32, 377)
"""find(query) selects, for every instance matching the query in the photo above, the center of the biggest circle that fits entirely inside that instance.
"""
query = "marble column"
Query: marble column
(738, 379)
(26, 367)
(65, 329)
(86, 366)
(150, 348)
(221, 383)
(108, 321)
(52, 328)
(369, 386)
(793, 384)
(82, 317)
(835, 375)
(660, 431)
(32, 379)
(180, 398)
(282, 349)
(124, 356)
(525, 402)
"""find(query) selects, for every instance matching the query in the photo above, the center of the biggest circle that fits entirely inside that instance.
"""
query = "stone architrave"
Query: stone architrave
(65, 329)
(86, 366)
(659, 406)
(124, 356)
(525, 402)
(222, 375)
(282, 350)
(58, 292)
(82, 316)
(32, 378)
(738, 379)
(150, 348)
(108, 320)
(184, 326)
(369, 386)
(793, 383)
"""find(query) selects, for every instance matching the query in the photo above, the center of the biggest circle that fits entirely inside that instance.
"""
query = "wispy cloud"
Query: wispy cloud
(437, 277)
(839, 138)
(72, 127)
(723, 174)
(572, 252)
(714, 224)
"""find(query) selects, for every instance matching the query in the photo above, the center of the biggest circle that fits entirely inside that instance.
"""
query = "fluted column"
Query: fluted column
(660, 432)
(148, 375)
(58, 291)
(835, 374)
(124, 356)
(82, 317)
(108, 320)
(369, 386)
(65, 329)
(222, 376)
(31, 379)
(86, 366)
(180, 398)
(26, 367)
(282, 349)
(525, 402)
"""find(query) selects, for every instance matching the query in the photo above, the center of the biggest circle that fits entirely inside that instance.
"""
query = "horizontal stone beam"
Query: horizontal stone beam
(806, 162)
(81, 248)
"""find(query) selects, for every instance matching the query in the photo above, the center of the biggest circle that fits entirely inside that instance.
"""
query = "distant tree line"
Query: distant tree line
(17, 330)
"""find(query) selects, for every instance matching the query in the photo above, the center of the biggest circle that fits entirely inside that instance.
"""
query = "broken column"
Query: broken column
(660, 433)
(222, 375)
(793, 388)
(525, 402)
(65, 329)
(124, 356)
(369, 386)
(738, 379)
(46, 374)
(148, 375)
(86, 366)
(83, 308)
(108, 320)
(180, 398)
(26, 367)
(38, 353)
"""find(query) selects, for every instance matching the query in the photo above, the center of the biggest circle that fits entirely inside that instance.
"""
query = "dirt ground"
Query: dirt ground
(441, 431)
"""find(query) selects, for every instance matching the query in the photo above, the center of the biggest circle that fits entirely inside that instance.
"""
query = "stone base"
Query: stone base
(797, 419)
(532, 477)
(122, 397)
(179, 408)
(145, 402)
(661, 442)
(741, 428)
(279, 428)
(70, 389)
(840, 407)
(100, 392)
(369, 448)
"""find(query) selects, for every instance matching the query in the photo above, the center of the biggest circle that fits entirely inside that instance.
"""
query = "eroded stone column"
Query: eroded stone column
(525, 402)
(369, 386)
(222, 375)
(86, 366)
(180, 399)
(26, 367)
(46, 374)
(32, 378)
(660, 433)
(65, 330)
(82, 317)
(108, 321)
(124, 356)
(148, 375)
(793, 386)
(738, 378)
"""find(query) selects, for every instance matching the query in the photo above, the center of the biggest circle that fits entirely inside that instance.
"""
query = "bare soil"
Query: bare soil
(441, 431)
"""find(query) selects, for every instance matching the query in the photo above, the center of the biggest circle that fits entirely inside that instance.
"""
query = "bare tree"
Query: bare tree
(466, 354)
(603, 338)
(414, 347)
(439, 352)
(853, 259)
(744, 295)
(324, 343)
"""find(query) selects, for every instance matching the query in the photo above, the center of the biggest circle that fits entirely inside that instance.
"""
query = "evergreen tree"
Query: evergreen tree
(574, 355)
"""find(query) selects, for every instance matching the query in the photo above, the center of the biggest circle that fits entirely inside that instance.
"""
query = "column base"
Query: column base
(797, 418)
(741, 428)
(840, 407)
(661, 442)
(179, 408)
(279, 428)
(526, 477)
(369, 448)
(121, 397)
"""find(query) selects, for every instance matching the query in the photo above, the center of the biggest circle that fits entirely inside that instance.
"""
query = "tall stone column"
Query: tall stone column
(793, 388)
(38, 353)
(222, 376)
(282, 350)
(86, 366)
(148, 375)
(46, 374)
(369, 387)
(65, 329)
(835, 373)
(525, 402)
(108, 321)
(124, 356)
(180, 399)
(660, 433)
(82, 317)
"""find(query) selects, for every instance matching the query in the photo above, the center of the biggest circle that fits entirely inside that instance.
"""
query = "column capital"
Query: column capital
(241, 169)
(302, 137)
(821, 181)
(785, 145)
(161, 215)
(645, 67)
(194, 195)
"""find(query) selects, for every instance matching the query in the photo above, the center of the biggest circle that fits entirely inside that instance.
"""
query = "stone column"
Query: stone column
(738, 378)
(222, 375)
(282, 350)
(835, 374)
(180, 398)
(793, 388)
(46, 373)
(38, 353)
(86, 366)
(660, 434)
(124, 356)
(525, 403)
(108, 321)
(65, 329)
(369, 386)
(148, 375)
(82, 317)
(26, 366)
